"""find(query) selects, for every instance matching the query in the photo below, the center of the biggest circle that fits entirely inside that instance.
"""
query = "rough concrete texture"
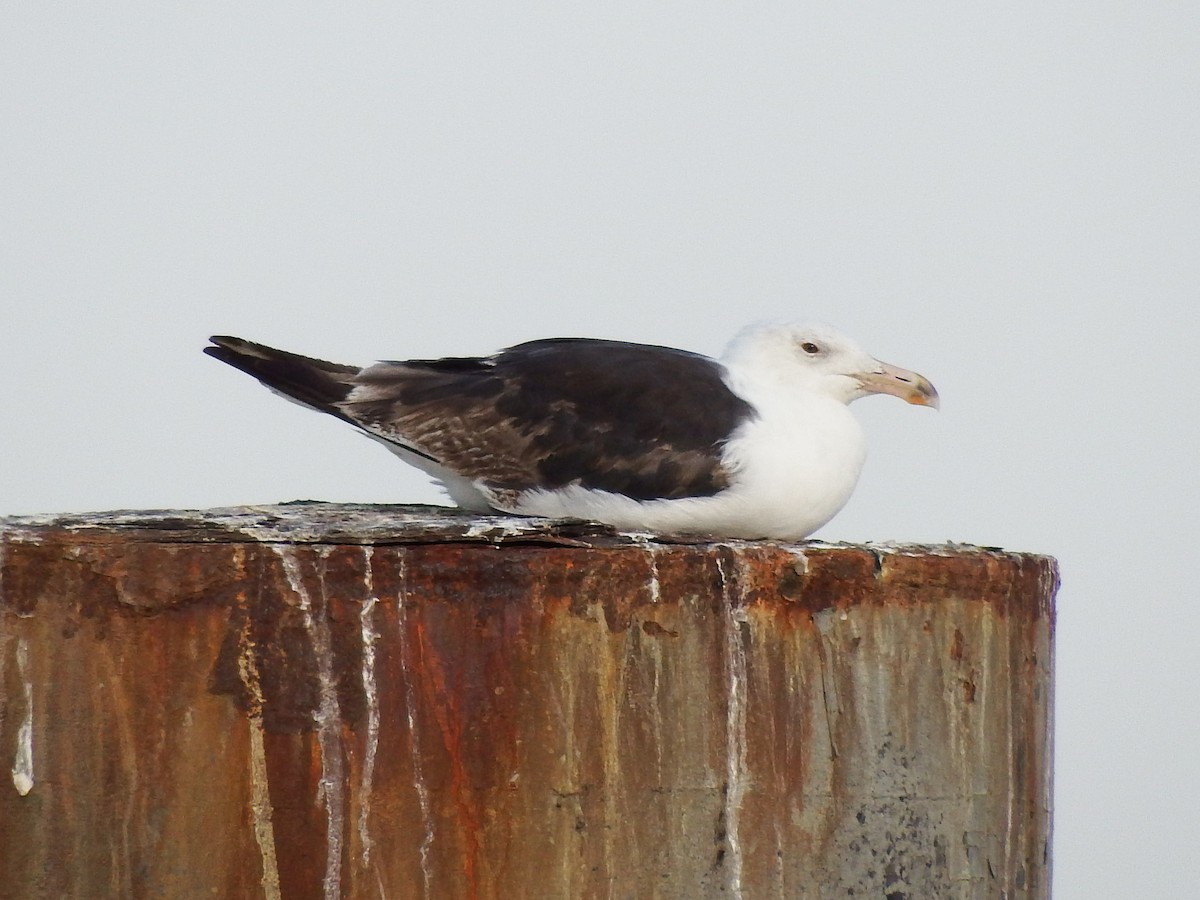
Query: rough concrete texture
(319, 701)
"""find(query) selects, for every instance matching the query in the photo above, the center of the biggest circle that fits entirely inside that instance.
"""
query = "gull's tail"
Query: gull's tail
(314, 383)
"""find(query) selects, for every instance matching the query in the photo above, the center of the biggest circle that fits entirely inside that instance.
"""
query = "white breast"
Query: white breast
(795, 466)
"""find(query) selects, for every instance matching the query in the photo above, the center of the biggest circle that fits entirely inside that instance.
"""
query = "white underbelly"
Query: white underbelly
(790, 476)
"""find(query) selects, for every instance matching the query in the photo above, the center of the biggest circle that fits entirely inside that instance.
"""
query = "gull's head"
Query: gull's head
(818, 359)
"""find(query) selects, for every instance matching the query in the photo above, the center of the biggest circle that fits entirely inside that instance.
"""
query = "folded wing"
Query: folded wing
(647, 422)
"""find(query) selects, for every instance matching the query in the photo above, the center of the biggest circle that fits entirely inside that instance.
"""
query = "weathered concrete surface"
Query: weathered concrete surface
(315, 701)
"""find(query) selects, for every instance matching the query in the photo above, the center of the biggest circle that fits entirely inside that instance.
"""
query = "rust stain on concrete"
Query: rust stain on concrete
(318, 701)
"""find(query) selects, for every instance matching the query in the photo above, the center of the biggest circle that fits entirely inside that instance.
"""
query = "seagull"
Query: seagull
(758, 444)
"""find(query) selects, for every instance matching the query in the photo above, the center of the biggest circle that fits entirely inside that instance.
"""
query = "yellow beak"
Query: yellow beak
(908, 386)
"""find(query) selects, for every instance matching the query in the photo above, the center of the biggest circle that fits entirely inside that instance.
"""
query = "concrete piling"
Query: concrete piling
(313, 700)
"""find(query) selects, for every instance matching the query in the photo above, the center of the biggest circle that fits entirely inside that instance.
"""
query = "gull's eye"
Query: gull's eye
(810, 348)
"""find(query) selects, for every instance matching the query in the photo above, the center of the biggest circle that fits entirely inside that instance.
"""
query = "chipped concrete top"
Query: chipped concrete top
(306, 522)
(315, 522)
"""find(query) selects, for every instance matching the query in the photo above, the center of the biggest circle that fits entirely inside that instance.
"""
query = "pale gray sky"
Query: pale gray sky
(1005, 199)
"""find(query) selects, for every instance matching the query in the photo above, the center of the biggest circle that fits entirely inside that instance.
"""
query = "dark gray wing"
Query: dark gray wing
(647, 422)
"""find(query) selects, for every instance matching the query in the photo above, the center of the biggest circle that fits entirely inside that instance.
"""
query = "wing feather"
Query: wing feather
(646, 422)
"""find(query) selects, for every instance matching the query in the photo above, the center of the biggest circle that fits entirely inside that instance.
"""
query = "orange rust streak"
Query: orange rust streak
(449, 718)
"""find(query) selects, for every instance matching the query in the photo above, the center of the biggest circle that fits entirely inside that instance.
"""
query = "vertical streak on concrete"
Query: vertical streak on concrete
(736, 776)
(1048, 585)
(22, 770)
(977, 842)
(823, 620)
(121, 724)
(261, 809)
(327, 715)
(371, 694)
(653, 584)
(1010, 833)
(408, 665)
(654, 654)
(610, 690)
